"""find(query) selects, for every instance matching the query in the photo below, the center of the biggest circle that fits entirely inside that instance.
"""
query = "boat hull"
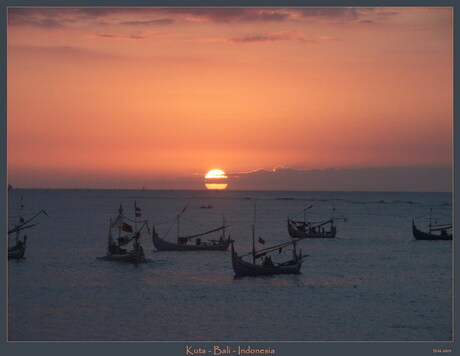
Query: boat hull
(16, 252)
(299, 234)
(244, 268)
(132, 256)
(162, 245)
(420, 235)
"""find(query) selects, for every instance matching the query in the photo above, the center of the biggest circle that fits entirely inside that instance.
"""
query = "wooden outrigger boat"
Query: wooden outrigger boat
(267, 266)
(117, 251)
(305, 229)
(19, 249)
(441, 228)
(302, 230)
(184, 243)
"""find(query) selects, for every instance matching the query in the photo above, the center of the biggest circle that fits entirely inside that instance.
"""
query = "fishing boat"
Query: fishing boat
(192, 242)
(206, 206)
(307, 229)
(18, 250)
(267, 266)
(127, 247)
(435, 232)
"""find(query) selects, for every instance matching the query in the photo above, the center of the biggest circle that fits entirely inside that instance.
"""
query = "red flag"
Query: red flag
(261, 241)
(126, 227)
(138, 215)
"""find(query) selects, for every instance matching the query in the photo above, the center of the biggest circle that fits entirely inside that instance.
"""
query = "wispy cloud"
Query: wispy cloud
(329, 14)
(283, 36)
(240, 14)
(65, 17)
(364, 15)
(148, 22)
(61, 51)
(259, 38)
(156, 16)
(137, 36)
(375, 179)
(112, 36)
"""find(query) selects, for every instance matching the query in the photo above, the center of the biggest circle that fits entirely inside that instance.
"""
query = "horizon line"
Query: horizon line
(238, 190)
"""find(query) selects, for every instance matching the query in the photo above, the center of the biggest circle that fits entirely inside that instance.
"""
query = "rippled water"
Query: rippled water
(373, 282)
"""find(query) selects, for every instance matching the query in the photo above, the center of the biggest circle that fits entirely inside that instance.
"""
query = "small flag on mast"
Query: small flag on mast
(127, 228)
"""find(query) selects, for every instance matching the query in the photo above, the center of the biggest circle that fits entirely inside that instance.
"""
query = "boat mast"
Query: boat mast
(110, 239)
(430, 219)
(120, 214)
(135, 217)
(110, 231)
(178, 227)
(21, 220)
(254, 235)
(223, 224)
(305, 214)
(17, 236)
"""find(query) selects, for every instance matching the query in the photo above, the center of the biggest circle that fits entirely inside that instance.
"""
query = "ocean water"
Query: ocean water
(373, 282)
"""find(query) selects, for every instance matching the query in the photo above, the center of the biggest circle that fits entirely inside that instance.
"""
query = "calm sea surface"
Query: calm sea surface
(372, 282)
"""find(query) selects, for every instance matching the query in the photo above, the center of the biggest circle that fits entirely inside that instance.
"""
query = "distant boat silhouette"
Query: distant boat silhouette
(183, 242)
(267, 267)
(19, 249)
(442, 228)
(126, 235)
(307, 229)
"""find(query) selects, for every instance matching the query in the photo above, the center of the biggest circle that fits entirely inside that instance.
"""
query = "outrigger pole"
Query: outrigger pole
(22, 227)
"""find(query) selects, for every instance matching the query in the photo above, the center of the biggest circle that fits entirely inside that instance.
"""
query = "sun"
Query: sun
(216, 179)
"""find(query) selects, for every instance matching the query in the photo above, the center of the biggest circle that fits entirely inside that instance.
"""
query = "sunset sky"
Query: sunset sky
(130, 97)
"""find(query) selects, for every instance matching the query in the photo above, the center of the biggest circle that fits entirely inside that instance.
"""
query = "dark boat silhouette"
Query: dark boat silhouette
(18, 250)
(307, 229)
(192, 242)
(421, 235)
(435, 232)
(127, 246)
(267, 267)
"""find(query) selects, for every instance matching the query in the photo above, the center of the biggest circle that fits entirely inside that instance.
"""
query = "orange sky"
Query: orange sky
(142, 94)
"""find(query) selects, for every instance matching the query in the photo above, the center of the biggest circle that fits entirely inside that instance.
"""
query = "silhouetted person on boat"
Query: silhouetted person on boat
(268, 261)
